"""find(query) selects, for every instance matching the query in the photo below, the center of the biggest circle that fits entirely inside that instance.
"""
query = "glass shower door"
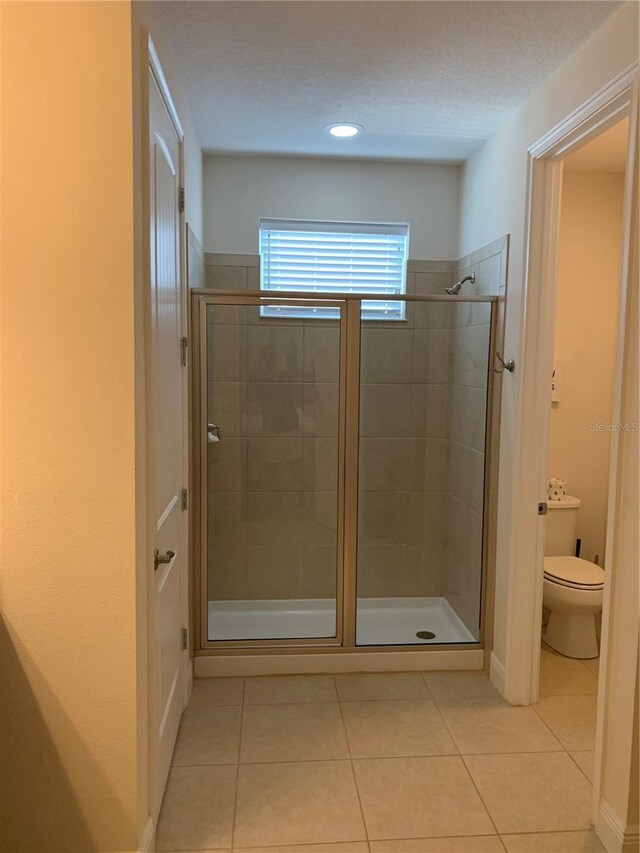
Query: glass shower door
(421, 483)
(271, 491)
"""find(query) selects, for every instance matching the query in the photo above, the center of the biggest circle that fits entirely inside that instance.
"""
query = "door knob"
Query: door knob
(162, 559)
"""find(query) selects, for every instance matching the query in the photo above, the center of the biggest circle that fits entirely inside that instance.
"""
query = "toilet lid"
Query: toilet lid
(573, 571)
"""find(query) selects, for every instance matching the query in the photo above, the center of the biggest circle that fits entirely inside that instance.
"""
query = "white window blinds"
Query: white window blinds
(334, 257)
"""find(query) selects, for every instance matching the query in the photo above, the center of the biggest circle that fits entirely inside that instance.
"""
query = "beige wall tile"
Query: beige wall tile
(321, 353)
(430, 411)
(273, 571)
(385, 411)
(321, 405)
(227, 518)
(432, 315)
(431, 282)
(227, 353)
(227, 465)
(468, 415)
(274, 409)
(274, 518)
(319, 518)
(318, 571)
(470, 353)
(383, 517)
(225, 277)
(386, 355)
(227, 573)
(320, 467)
(431, 362)
(274, 464)
(227, 407)
(274, 353)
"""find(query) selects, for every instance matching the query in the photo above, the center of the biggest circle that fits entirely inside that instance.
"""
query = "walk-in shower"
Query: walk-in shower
(340, 467)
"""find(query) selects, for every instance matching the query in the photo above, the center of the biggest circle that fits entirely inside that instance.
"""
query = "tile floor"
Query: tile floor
(384, 763)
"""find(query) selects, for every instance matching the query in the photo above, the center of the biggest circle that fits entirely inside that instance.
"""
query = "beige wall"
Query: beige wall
(239, 190)
(68, 442)
(589, 254)
(493, 203)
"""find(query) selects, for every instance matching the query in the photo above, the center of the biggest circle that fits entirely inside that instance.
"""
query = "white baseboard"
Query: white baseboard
(614, 834)
(496, 674)
(208, 666)
(147, 841)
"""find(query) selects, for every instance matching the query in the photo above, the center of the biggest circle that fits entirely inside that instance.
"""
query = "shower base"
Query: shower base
(380, 621)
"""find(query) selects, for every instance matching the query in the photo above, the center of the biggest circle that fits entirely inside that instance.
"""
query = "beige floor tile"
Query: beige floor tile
(217, 691)
(561, 676)
(532, 792)
(470, 844)
(197, 811)
(480, 725)
(554, 842)
(458, 685)
(572, 719)
(208, 735)
(276, 689)
(307, 732)
(379, 729)
(593, 665)
(584, 760)
(380, 685)
(340, 847)
(419, 797)
(299, 803)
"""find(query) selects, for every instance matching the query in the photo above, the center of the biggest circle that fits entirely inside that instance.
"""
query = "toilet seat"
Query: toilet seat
(573, 572)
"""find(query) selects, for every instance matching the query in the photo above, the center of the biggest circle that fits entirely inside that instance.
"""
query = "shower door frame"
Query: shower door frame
(348, 486)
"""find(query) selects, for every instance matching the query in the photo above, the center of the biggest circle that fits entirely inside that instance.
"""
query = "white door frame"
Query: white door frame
(154, 68)
(617, 99)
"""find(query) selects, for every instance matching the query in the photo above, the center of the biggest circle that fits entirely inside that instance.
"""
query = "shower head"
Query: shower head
(454, 290)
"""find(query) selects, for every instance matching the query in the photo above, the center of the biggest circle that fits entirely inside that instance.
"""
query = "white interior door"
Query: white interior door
(166, 431)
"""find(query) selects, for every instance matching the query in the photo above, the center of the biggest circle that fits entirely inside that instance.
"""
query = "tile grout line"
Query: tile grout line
(473, 781)
(235, 799)
(353, 769)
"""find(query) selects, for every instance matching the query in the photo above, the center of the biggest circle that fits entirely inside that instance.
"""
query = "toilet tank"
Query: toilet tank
(561, 525)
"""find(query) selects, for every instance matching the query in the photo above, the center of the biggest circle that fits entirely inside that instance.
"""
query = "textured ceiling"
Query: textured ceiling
(427, 80)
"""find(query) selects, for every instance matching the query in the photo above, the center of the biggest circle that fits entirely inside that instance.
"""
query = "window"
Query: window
(334, 257)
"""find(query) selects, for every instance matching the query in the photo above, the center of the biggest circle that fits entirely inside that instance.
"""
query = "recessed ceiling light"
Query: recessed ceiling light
(344, 131)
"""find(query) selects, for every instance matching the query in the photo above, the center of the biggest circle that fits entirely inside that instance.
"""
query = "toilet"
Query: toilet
(573, 587)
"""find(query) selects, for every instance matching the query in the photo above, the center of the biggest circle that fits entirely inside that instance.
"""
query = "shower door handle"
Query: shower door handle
(162, 559)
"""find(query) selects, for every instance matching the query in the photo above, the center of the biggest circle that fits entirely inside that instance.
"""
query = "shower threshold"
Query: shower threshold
(380, 621)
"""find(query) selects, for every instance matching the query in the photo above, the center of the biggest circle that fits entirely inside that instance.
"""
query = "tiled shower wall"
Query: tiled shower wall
(415, 402)
(466, 496)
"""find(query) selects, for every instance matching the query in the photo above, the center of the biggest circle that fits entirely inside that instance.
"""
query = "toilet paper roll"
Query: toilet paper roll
(556, 489)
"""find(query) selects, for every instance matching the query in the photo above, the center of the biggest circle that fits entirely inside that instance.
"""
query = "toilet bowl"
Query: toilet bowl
(573, 592)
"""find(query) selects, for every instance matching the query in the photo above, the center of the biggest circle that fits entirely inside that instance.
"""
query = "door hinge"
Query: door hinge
(183, 351)
(184, 499)
(185, 638)
(181, 200)
(542, 508)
